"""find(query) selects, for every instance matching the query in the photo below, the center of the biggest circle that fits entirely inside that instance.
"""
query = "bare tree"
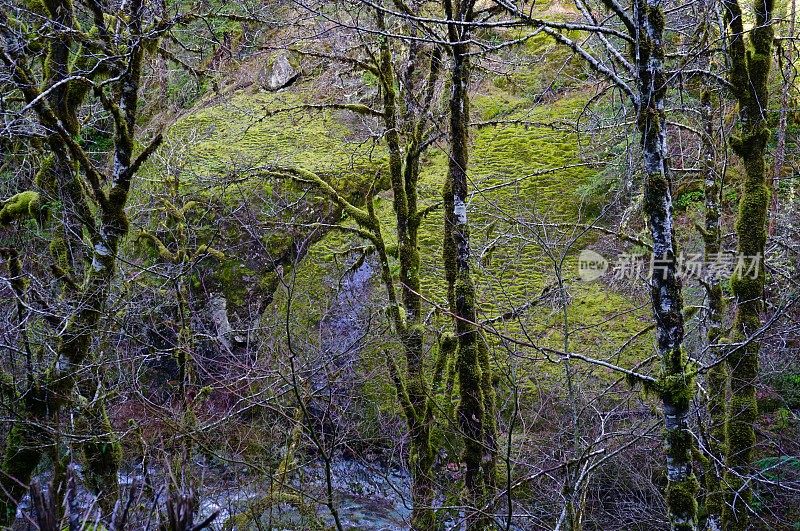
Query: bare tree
(476, 409)
(749, 76)
(94, 200)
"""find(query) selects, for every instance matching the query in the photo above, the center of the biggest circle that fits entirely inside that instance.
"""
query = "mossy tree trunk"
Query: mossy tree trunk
(476, 404)
(58, 176)
(675, 385)
(749, 74)
(717, 376)
(645, 28)
(86, 300)
(58, 180)
(404, 176)
(101, 450)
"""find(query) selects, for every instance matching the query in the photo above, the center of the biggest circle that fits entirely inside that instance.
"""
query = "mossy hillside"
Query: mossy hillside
(217, 150)
(539, 68)
(239, 133)
(600, 320)
(514, 269)
(250, 130)
(501, 154)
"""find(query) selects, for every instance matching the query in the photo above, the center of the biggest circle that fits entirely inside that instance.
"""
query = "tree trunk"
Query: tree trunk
(472, 363)
(55, 391)
(749, 75)
(717, 376)
(414, 390)
(788, 72)
(675, 387)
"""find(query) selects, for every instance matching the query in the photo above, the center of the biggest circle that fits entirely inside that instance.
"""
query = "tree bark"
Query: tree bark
(675, 386)
(788, 72)
(48, 396)
(476, 405)
(717, 376)
(749, 76)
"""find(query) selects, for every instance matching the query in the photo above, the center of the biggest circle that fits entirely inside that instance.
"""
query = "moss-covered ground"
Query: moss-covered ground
(255, 128)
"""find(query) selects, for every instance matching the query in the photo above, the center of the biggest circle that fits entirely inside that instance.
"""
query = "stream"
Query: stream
(367, 496)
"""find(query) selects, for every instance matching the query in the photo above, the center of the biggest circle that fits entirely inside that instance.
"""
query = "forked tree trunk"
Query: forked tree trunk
(476, 405)
(47, 398)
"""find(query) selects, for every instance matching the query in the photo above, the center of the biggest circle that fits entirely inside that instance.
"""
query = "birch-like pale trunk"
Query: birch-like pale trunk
(675, 387)
(717, 376)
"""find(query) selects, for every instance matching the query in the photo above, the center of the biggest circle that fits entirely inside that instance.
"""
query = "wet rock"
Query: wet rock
(279, 73)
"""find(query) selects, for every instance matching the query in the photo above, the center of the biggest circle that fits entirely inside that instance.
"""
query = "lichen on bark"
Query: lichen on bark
(675, 385)
(749, 76)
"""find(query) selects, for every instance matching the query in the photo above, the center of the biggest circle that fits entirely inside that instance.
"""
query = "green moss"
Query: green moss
(682, 500)
(743, 412)
(688, 199)
(216, 141)
(23, 205)
(228, 276)
(248, 130)
(501, 154)
(539, 68)
(448, 343)
(677, 389)
(750, 76)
